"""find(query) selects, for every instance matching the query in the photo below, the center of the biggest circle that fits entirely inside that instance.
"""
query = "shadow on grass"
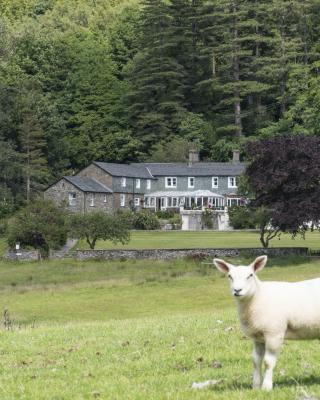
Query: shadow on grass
(297, 382)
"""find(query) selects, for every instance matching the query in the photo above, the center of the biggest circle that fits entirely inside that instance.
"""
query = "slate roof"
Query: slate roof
(151, 170)
(86, 184)
(198, 169)
(125, 170)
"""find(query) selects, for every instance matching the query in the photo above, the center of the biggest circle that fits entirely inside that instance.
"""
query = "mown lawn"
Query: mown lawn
(137, 330)
(179, 239)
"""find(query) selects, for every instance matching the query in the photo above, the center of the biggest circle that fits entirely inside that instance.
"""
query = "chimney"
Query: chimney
(193, 157)
(236, 156)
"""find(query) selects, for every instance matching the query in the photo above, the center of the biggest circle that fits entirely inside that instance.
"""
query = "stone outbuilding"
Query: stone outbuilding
(81, 194)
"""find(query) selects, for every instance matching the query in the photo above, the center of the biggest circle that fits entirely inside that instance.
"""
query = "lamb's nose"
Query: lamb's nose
(237, 292)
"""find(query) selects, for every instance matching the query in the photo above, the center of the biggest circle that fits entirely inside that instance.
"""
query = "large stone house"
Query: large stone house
(156, 186)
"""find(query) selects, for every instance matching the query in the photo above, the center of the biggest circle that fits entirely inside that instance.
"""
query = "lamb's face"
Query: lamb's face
(243, 280)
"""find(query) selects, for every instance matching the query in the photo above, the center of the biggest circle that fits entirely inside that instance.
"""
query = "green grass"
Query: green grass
(3, 246)
(137, 330)
(179, 239)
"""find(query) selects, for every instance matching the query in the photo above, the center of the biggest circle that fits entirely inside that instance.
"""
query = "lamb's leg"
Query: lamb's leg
(273, 346)
(257, 357)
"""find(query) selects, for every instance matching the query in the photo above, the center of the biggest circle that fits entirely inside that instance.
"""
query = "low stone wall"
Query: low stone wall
(169, 254)
(22, 255)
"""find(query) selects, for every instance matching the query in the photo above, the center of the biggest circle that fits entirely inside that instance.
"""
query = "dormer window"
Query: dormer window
(171, 182)
(123, 182)
(232, 182)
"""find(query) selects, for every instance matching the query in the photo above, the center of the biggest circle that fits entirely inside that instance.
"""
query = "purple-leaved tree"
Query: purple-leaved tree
(284, 175)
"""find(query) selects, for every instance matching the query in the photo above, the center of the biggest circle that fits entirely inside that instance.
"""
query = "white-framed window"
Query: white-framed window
(138, 183)
(123, 182)
(148, 184)
(152, 201)
(191, 182)
(92, 200)
(169, 201)
(72, 199)
(104, 198)
(171, 182)
(234, 201)
(137, 201)
(232, 182)
(174, 202)
(215, 182)
(122, 200)
(163, 202)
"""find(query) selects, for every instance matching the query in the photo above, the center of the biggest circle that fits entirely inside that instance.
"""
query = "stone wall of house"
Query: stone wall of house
(101, 202)
(169, 254)
(59, 193)
(129, 199)
(92, 171)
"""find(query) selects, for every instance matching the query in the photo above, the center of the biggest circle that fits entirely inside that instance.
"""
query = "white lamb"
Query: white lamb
(270, 312)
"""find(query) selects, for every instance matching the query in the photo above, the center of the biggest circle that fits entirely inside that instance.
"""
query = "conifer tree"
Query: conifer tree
(234, 50)
(156, 100)
(32, 149)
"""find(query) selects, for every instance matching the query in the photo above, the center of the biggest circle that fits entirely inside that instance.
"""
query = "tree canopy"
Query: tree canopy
(99, 225)
(41, 225)
(119, 81)
(284, 174)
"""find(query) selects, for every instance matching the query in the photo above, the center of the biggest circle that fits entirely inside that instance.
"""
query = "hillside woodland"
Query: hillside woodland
(130, 80)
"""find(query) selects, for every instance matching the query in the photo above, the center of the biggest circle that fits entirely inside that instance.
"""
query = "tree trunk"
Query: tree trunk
(283, 79)
(91, 243)
(28, 186)
(236, 77)
(264, 241)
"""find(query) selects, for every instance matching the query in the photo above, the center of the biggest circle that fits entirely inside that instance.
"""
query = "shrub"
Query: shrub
(145, 220)
(176, 220)
(207, 218)
(241, 218)
(41, 225)
(165, 214)
(3, 227)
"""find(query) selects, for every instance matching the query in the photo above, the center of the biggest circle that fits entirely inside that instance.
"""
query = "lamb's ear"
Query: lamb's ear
(222, 265)
(259, 263)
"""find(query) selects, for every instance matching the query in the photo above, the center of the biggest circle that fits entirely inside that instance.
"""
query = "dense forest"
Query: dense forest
(130, 80)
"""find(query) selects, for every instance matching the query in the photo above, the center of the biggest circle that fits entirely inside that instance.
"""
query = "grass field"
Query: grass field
(137, 330)
(179, 239)
(3, 246)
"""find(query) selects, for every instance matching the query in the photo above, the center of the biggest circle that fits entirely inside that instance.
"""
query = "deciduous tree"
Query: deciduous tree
(284, 174)
(99, 225)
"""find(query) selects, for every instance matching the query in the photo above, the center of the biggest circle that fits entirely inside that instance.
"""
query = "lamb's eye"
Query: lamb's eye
(230, 277)
(250, 276)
